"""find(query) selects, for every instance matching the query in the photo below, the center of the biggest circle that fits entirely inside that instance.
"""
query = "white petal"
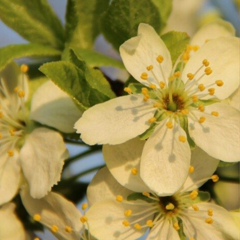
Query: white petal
(218, 136)
(224, 57)
(11, 228)
(105, 219)
(55, 210)
(115, 121)
(104, 186)
(165, 160)
(42, 158)
(10, 176)
(234, 99)
(204, 166)
(53, 107)
(141, 51)
(122, 159)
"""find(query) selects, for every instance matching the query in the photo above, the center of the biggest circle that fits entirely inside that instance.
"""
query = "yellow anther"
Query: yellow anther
(150, 67)
(134, 171)
(1, 136)
(195, 208)
(215, 178)
(176, 226)
(144, 76)
(160, 59)
(21, 94)
(191, 169)
(12, 132)
(216, 114)
(16, 89)
(68, 229)
(195, 98)
(190, 76)
(153, 86)
(145, 91)
(208, 71)
(169, 206)
(150, 223)
(1, 115)
(211, 91)
(169, 125)
(162, 85)
(157, 105)
(182, 139)
(128, 213)
(210, 212)
(219, 83)
(202, 120)
(138, 226)
(119, 198)
(177, 74)
(84, 206)
(128, 90)
(185, 111)
(194, 194)
(201, 108)
(186, 56)
(10, 153)
(201, 87)
(126, 223)
(24, 68)
(83, 219)
(209, 221)
(146, 98)
(195, 48)
(205, 62)
(37, 217)
(146, 194)
(152, 120)
(54, 229)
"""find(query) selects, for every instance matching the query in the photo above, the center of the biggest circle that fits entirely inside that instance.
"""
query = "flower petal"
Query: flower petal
(53, 107)
(104, 186)
(165, 160)
(42, 158)
(55, 210)
(222, 131)
(234, 99)
(116, 120)
(224, 57)
(142, 51)
(123, 161)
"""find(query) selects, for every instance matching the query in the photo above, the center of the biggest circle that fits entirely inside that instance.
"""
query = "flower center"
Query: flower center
(168, 205)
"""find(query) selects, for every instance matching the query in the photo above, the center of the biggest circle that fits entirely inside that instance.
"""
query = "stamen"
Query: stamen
(205, 62)
(146, 194)
(195, 48)
(185, 111)
(128, 90)
(182, 139)
(126, 223)
(169, 206)
(160, 59)
(209, 221)
(191, 169)
(37, 217)
(150, 67)
(190, 76)
(157, 105)
(195, 98)
(12, 132)
(211, 91)
(152, 120)
(210, 212)
(208, 71)
(177, 74)
(68, 229)
(24, 68)
(219, 83)
(201, 87)
(195, 208)
(119, 198)
(150, 223)
(216, 114)
(83, 219)
(21, 94)
(162, 85)
(176, 226)
(54, 229)
(153, 86)
(138, 226)
(84, 206)
(169, 125)
(10, 153)
(215, 178)
(144, 76)
(202, 120)
(194, 194)
(201, 108)
(134, 171)
(128, 213)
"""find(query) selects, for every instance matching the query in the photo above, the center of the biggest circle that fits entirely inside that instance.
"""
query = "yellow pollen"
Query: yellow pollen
(208, 71)
(201, 108)
(157, 105)
(128, 90)
(209, 220)
(119, 198)
(152, 120)
(210, 212)
(10, 153)
(219, 83)
(84, 206)
(216, 114)
(21, 94)
(16, 89)
(68, 229)
(134, 171)
(191, 169)
(54, 229)
(1, 136)
(153, 86)
(201, 87)
(144, 76)
(146, 194)
(195, 208)
(37, 217)
(126, 223)
(211, 91)
(83, 219)
(24, 68)
(169, 125)
(128, 213)
(176, 226)
(1, 115)
(190, 76)
(205, 62)
(195, 98)
(182, 139)
(145, 91)
(12, 132)
(202, 120)
(177, 74)
(186, 56)
(195, 48)
(160, 59)
(146, 98)
(150, 67)
(169, 206)
(162, 85)
(194, 194)
(185, 111)
(138, 226)
(215, 178)
(150, 223)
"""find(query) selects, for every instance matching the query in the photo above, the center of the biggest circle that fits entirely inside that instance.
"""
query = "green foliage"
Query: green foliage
(34, 20)
(139, 196)
(121, 20)
(10, 53)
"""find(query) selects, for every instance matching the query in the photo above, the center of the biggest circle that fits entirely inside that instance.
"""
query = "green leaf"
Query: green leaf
(10, 53)
(176, 43)
(121, 20)
(82, 19)
(34, 20)
(139, 196)
(202, 197)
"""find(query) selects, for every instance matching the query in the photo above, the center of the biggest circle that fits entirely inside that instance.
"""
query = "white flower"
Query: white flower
(174, 106)
(119, 213)
(27, 150)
